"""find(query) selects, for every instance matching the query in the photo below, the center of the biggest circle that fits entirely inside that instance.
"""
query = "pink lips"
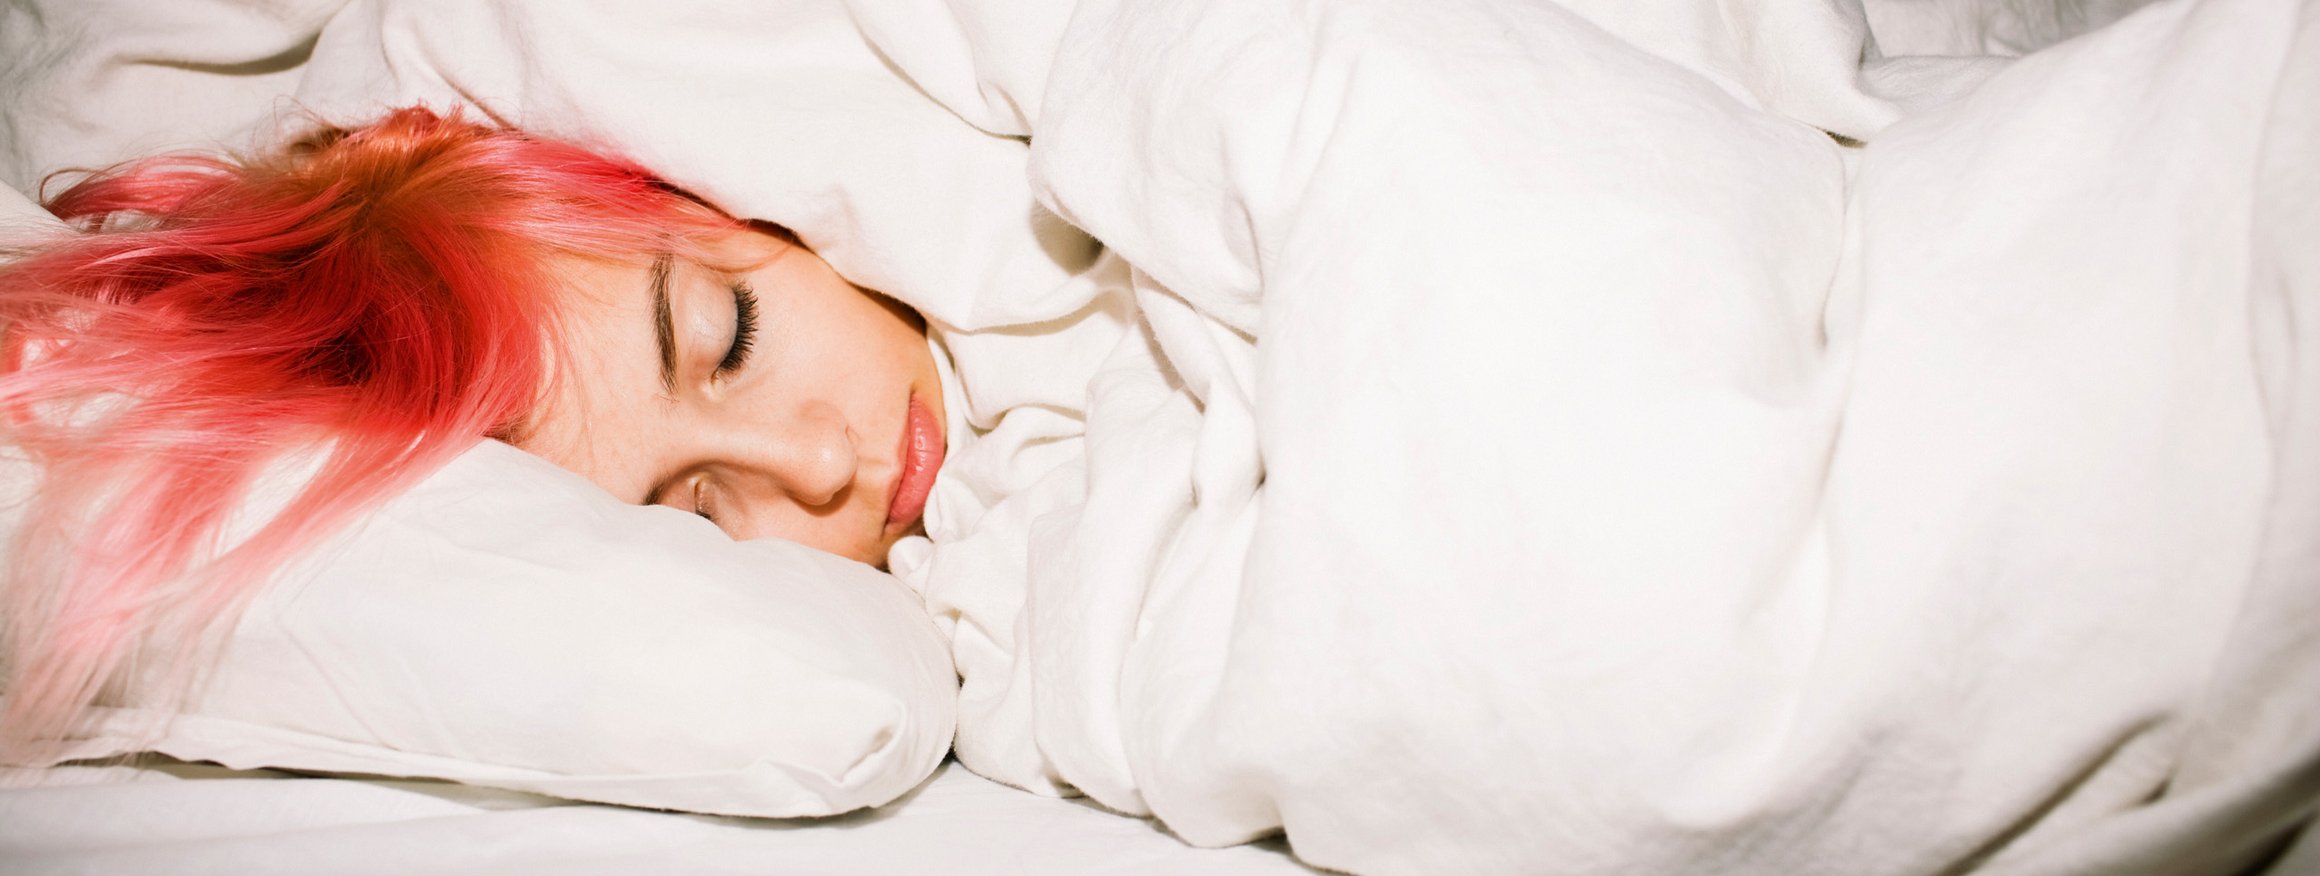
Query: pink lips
(921, 455)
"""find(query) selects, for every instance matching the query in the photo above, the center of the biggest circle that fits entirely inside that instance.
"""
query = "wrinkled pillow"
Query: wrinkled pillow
(507, 624)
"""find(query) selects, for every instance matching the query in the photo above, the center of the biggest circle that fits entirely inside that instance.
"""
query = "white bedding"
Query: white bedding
(1566, 460)
(185, 820)
(1512, 437)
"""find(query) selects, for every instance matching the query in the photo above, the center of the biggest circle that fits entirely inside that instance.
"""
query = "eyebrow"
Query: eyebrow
(664, 324)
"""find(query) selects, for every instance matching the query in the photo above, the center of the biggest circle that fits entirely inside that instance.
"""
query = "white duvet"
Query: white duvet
(1513, 437)
(1546, 452)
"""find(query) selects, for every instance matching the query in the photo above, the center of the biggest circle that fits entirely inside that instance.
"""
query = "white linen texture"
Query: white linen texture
(1547, 452)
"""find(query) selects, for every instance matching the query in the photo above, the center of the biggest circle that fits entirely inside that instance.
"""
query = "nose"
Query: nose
(808, 456)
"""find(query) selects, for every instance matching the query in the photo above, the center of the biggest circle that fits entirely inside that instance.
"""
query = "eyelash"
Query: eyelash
(744, 339)
(744, 330)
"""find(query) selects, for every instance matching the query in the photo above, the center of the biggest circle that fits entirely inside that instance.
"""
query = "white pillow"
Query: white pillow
(508, 624)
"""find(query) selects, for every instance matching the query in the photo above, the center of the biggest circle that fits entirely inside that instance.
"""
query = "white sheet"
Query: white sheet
(250, 824)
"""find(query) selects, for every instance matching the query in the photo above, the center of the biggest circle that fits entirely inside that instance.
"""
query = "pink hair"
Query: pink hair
(380, 295)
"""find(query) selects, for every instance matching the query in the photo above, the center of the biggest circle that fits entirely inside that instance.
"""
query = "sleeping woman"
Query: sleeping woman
(374, 301)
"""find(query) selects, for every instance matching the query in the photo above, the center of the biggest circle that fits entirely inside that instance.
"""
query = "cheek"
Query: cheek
(604, 448)
(840, 534)
(894, 336)
(855, 350)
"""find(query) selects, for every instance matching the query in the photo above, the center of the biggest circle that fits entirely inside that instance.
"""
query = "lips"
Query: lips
(921, 454)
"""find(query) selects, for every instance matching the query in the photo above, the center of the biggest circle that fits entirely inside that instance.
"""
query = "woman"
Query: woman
(384, 297)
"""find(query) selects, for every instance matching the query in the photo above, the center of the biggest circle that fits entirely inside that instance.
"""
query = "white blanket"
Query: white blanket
(1540, 458)
(1513, 437)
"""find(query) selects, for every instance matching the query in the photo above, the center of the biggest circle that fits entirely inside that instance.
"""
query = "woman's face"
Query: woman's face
(779, 400)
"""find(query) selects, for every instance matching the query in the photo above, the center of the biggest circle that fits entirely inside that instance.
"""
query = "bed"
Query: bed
(1586, 436)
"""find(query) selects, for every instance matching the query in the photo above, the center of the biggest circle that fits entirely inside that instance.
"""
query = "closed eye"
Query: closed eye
(671, 494)
(744, 330)
(701, 503)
